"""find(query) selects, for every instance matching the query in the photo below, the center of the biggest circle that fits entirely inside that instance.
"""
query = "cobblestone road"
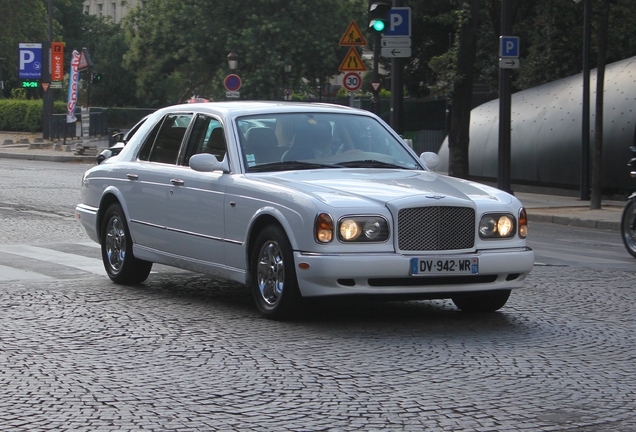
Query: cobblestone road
(184, 352)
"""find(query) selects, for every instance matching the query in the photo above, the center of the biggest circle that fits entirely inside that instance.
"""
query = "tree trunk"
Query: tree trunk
(461, 101)
(597, 155)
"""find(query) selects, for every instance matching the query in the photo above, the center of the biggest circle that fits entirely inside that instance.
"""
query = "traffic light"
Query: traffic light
(379, 14)
(97, 78)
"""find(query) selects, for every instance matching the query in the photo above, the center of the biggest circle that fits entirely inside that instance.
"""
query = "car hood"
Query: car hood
(360, 187)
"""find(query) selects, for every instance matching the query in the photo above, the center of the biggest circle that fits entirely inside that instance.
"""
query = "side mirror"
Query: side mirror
(206, 162)
(430, 159)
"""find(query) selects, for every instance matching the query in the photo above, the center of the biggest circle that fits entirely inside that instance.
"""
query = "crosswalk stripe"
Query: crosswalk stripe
(12, 274)
(90, 265)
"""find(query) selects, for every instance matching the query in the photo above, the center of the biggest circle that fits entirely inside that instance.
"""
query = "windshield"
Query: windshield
(293, 141)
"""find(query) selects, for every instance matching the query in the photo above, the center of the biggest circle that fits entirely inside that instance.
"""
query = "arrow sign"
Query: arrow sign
(509, 63)
(396, 52)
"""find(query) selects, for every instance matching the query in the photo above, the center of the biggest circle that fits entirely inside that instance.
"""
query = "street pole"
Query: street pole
(397, 92)
(503, 175)
(585, 123)
(47, 97)
(375, 102)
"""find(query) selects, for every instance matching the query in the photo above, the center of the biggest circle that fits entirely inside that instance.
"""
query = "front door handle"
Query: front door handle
(177, 182)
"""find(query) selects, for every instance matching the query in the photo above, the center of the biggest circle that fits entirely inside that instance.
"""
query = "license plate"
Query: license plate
(437, 266)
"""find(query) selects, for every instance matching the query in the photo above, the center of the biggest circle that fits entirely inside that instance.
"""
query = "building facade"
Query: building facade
(116, 9)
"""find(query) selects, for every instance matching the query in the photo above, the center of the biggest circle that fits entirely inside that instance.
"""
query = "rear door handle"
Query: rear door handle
(132, 176)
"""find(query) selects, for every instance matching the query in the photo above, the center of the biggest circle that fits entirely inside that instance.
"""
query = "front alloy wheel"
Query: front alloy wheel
(273, 277)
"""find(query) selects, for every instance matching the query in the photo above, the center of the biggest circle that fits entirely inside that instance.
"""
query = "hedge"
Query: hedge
(24, 115)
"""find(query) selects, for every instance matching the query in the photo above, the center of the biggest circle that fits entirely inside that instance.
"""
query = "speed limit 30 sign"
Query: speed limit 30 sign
(352, 81)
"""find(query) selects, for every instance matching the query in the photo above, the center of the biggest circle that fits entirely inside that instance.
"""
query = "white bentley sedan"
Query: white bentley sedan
(298, 201)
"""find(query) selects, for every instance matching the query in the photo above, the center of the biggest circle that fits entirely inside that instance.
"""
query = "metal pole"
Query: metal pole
(503, 177)
(585, 123)
(397, 93)
(47, 97)
(375, 101)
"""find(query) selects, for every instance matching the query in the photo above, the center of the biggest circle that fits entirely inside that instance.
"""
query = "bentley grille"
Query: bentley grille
(436, 228)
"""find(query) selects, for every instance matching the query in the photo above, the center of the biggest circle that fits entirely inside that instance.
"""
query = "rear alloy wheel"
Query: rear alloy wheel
(482, 301)
(120, 264)
(273, 276)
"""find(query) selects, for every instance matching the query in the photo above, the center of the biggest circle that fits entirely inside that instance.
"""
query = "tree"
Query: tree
(459, 135)
(179, 48)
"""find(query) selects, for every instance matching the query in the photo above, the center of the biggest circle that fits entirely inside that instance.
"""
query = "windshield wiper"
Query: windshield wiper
(370, 163)
(289, 165)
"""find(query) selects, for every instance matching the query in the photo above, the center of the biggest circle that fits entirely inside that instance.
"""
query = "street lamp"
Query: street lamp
(232, 61)
(585, 128)
(287, 68)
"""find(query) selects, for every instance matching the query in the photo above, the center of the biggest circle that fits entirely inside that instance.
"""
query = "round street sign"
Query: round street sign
(352, 81)
(232, 82)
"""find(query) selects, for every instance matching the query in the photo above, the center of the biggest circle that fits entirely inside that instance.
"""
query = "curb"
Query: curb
(49, 158)
(574, 221)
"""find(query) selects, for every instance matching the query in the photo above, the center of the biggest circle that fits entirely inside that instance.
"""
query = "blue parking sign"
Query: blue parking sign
(30, 60)
(509, 46)
(399, 22)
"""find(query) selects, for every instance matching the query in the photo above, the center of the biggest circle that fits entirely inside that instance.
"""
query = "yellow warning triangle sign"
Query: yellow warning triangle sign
(352, 62)
(353, 36)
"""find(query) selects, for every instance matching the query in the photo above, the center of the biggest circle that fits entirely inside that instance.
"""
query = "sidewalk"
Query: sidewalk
(31, 146)
(541, 207)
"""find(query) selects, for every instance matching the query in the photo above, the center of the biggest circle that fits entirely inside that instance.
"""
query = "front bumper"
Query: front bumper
(326, 275)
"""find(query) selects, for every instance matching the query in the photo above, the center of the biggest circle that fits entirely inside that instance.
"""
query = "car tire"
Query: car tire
(484, 301)
(627, 233)
(273, 275)
(121, 265)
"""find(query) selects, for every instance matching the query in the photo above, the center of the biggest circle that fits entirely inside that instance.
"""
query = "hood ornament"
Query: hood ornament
(437, 197)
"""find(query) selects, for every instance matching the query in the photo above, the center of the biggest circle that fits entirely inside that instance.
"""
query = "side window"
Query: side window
(164, 142)
(207, 137)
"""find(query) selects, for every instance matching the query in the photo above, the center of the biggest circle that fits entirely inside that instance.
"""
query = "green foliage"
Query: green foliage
(24, 115)
(172, 64)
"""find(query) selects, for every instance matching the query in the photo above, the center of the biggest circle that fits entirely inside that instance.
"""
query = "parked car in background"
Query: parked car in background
(122, 139)
(301, 201)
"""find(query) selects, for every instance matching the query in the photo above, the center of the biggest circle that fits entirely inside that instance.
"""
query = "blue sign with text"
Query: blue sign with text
(30, 61)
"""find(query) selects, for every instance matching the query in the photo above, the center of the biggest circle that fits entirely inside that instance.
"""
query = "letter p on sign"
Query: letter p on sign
(508, 46)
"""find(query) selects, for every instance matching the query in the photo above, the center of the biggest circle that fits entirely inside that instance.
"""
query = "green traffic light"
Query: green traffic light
(378, 25)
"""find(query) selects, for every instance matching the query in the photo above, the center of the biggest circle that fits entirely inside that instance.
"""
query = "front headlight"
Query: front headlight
(363, 229)
(497, 225)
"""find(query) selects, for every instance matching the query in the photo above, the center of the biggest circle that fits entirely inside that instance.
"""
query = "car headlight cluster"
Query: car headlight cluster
(352, 229)
(497, 225)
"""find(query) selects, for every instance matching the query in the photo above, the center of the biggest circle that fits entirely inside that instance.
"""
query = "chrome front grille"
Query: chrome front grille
(436, 228)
